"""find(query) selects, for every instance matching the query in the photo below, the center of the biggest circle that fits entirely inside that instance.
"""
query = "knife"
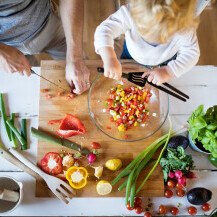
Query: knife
(34, 73)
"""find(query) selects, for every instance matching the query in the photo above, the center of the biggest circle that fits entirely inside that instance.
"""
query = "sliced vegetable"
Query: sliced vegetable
(58, 141)
(48, 96)
(113, 164)
(77, 177)
(4, 116)
(52, 163)
(98, 171)
(44, 90)
(18, 135)
(13, 138)
(103, 187)
(24, 133)
(68, 160)
(70, 126)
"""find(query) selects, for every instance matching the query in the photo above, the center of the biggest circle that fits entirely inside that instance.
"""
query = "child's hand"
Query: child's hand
(112, 67)
(158, 76)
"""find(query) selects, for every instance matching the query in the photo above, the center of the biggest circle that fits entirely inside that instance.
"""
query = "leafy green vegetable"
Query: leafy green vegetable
(176, 159)
(203, 128)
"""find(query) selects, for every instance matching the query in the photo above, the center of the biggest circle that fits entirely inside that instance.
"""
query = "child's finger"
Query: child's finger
(150, 78)
(154, 81)
(145, 74)
(106, 73)
(112, 74)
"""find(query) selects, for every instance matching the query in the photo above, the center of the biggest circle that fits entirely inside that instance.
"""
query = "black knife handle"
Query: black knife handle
(100, 69)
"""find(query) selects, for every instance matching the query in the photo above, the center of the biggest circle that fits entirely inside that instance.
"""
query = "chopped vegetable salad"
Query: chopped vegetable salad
(128, 106)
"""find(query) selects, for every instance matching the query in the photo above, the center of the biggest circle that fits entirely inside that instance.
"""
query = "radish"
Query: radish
(91, 158)
(182, 181)
(191, 175)
(178, 174)
(171, 175)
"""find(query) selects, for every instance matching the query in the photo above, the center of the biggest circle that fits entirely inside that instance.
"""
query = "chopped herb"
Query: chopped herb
(146, 209)
(61, 155)
(105, 104)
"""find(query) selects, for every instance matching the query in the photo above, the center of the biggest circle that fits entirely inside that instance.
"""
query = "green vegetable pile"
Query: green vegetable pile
(203, 128)
(176, 159)
(133, 170)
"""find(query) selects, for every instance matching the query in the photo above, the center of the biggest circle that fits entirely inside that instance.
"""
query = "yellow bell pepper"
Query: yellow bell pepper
(77, 177)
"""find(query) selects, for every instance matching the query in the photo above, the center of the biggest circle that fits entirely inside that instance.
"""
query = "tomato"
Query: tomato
(48, 96)
(59, 93)
(129, 207)
(162, 209)
(192, 210)
(180, 193)
(179, 186)
(95, 145)
(44, 90)
(206, 207)
(147, 214)
(138, 209)
(168, 193)
(171, 183)
(137, 201)
(174, 211)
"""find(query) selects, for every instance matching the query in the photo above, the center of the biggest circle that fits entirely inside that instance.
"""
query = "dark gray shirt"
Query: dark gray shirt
(20, 20)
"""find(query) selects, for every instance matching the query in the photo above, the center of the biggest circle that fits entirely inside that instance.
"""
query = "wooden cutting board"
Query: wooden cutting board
(57, 107)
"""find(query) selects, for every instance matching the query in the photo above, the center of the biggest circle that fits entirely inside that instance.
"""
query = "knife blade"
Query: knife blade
(34, 73)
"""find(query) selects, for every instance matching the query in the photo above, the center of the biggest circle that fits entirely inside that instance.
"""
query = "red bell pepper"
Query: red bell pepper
(70, 126)
(54, 122)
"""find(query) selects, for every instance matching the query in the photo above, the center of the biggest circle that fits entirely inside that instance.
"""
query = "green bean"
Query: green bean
(4, 116)
(24, 133)
(16, 132)
(13, 138)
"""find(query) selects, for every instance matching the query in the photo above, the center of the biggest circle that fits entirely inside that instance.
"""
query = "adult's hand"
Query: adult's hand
(77, 75)
(12, 60)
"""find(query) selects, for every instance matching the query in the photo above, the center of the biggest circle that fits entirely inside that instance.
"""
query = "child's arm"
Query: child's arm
(112, 67)
(117, 24)
(187, 58)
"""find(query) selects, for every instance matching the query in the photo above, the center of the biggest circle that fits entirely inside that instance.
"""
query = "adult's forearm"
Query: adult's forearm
(72, 15)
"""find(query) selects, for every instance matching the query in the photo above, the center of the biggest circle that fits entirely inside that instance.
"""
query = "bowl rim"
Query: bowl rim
(122, 140)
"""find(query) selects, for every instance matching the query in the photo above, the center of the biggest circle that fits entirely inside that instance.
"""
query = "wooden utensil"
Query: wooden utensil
(57, 186)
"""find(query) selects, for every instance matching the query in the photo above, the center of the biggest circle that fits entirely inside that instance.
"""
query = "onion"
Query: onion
(91, 158)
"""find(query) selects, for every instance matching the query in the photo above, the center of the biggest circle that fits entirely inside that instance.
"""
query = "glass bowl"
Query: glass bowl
(99, 93)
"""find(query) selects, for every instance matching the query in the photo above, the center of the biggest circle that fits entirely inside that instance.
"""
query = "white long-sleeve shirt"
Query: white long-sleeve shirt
(184, 45)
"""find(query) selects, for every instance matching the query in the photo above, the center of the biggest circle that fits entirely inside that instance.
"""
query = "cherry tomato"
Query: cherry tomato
(137, 201)
(174, 211)
(162, 209)
(59, 93)
(192, 210)
(44, 90)
(129, 207)
(206, 207)
(147, 214)
(180, 193)
(178, 186)
(168, 193)
(48, 96)
(138, 209)
(171, 183)
(95, 145)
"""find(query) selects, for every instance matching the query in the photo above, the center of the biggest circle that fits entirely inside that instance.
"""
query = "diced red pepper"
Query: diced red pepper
(44, 90)
(48, 96)
(54, 122)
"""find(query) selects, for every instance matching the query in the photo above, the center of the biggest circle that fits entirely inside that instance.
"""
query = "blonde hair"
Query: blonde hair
(163, 18)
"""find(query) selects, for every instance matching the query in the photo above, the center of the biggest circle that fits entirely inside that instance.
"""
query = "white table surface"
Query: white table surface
(23, 99)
